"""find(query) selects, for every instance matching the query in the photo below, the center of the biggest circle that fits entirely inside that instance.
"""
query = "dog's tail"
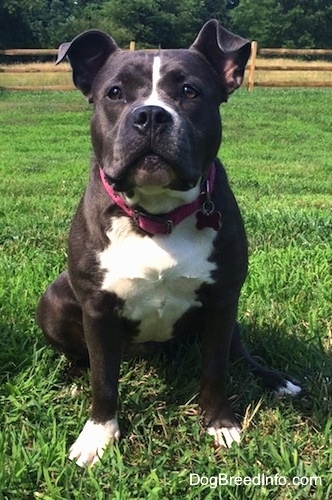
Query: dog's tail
(272, 379)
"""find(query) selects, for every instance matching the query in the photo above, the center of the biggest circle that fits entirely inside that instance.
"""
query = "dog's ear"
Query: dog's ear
(227, 53)
(87, 53)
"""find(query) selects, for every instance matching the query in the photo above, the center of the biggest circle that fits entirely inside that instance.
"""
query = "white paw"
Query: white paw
(225, 436)
(289, 389)
(92, 441)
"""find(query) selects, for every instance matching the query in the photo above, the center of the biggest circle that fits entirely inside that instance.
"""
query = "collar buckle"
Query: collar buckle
(153, 224)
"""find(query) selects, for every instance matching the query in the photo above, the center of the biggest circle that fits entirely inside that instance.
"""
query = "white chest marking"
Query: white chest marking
(156, 200)
(157, 277)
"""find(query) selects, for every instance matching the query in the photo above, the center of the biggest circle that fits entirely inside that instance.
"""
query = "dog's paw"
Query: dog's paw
(287, 389)
(225, 436)
(92, 441)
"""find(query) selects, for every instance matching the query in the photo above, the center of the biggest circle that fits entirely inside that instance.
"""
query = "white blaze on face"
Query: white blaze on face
(155, 98)
(155, 79)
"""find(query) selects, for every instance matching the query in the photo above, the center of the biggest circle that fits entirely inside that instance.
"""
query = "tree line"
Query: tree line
(169, 23)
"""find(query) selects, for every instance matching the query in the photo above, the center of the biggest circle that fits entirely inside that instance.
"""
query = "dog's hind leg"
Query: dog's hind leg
(274, 380)
(59, 315)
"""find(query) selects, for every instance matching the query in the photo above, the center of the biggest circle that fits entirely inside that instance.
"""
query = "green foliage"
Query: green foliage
(261, 21)
(149, 22)
(46, 23)
(170, 23)
(14, 31)
(287, 23)
(277, 151)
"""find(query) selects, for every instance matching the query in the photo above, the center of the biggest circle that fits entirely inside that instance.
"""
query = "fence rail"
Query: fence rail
(252, 68)
(29, 52)
(295, 52)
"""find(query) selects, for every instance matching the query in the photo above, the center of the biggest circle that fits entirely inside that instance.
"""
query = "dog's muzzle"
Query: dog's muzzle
(151, 170)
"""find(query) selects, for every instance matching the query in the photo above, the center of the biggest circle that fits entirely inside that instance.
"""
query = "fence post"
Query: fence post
(252, 67)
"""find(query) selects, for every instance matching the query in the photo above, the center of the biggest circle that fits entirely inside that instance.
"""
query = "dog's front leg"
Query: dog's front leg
(218, 415)
(103, 335)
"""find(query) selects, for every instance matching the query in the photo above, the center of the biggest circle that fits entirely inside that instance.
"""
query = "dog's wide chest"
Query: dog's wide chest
(156, 277)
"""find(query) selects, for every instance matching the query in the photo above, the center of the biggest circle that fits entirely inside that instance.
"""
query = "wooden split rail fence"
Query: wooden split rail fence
(254, 65)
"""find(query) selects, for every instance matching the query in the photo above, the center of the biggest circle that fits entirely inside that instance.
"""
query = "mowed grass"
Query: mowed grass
(277, 149)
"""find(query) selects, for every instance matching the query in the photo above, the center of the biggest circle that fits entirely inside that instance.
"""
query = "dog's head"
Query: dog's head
(156, 119)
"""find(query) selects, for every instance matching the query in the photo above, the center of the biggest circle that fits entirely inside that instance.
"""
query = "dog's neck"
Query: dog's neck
(198, 200)
(159, 200)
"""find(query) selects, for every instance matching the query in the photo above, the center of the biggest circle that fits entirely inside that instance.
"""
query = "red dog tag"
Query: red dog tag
(211, 219)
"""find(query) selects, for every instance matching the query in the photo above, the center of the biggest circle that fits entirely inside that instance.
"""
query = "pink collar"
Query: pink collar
(164, 223)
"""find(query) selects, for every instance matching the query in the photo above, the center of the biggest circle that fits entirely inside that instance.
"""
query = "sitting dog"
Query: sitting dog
(157, 246)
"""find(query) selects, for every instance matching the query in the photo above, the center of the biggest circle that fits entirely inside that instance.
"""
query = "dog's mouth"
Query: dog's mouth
(151, 170)
(146, 171)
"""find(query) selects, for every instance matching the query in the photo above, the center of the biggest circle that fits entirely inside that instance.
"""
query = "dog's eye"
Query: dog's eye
(190, 92)
(115, 93)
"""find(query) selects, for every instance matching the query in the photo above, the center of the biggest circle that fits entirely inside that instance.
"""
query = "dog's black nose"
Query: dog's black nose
(150, 118)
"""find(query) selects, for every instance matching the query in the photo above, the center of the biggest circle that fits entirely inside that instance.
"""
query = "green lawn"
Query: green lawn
(277, 149)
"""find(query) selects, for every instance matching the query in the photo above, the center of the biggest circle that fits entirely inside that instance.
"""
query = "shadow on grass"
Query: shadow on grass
(166, 376)
(177, 368)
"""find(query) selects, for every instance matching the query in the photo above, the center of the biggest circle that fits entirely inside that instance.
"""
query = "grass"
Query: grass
(278, 156)
(47, 74)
